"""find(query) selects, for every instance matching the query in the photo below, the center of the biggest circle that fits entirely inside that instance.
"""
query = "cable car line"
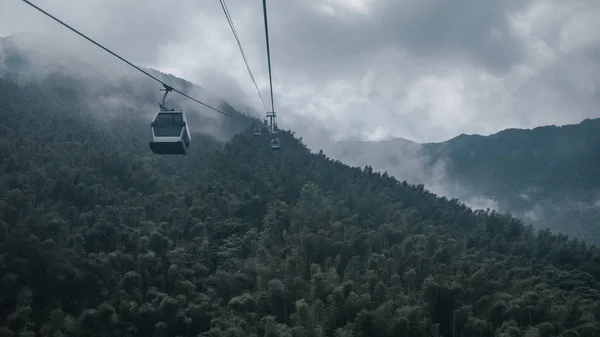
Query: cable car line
(268, 54)
(275, 144)
(166, 86)
(231, 25)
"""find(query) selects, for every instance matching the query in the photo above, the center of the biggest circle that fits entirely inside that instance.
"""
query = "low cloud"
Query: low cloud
(408, 161)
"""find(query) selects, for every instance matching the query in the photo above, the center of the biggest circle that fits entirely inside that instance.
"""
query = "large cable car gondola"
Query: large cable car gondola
(170, 130)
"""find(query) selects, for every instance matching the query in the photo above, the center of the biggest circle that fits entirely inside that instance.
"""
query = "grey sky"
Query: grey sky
(425, 70)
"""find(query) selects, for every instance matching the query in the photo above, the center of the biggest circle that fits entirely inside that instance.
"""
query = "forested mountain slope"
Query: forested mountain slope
(100, 238)
(548, 176)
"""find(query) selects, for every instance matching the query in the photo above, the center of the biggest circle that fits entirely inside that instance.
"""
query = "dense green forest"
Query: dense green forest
(547, 176)
(98, 237)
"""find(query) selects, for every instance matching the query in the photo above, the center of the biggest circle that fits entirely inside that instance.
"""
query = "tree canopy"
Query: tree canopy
(98, 237)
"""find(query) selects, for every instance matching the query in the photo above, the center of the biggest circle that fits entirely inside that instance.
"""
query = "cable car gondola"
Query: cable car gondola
(257, 132)
(170, 130)
(275, 145)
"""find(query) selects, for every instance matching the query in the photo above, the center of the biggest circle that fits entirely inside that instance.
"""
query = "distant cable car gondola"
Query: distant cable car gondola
(275, 145)
(257, 132)
(170, 130)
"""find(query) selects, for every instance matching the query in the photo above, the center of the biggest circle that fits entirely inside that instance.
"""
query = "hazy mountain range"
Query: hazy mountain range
(548, 176)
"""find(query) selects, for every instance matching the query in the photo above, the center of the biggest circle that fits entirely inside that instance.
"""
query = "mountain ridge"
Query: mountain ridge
(545, 175)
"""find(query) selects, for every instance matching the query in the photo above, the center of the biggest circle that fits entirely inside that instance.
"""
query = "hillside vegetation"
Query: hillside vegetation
(100, 238)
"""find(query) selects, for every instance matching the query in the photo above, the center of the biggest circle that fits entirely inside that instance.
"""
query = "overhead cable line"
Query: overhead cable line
(231, 25)
(268, 54)
(167, 87)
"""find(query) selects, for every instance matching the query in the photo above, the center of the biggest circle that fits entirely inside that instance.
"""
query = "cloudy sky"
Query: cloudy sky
(426, 70)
